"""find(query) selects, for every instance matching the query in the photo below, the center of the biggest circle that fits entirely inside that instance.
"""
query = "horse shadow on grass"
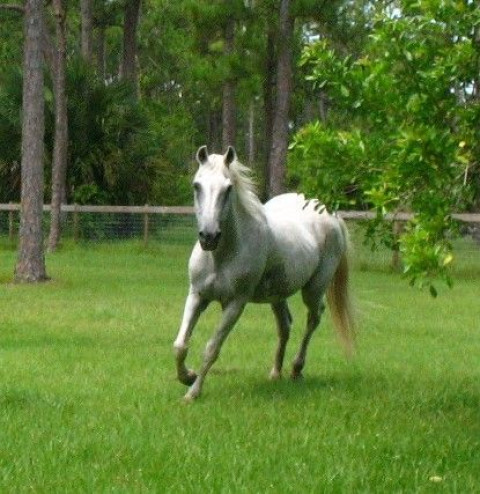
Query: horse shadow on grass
(235, 381)
(308, 386)
(450, 398)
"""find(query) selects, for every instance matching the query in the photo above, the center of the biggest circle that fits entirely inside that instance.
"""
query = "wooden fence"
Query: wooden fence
(76, 210)
(148, 211)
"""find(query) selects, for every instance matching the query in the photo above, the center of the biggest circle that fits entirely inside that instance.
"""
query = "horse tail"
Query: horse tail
(339, 301)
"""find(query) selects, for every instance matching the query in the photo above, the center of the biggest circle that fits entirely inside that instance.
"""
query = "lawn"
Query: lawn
(89, 400)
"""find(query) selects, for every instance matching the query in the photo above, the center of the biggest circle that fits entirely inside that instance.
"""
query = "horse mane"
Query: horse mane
(245, 186)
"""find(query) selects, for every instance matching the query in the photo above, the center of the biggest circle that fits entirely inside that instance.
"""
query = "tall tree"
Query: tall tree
(31, 261)
(229, 106)
(277, 157)
(128, 69)
(59, 164)
(268, 101)
(100, 40)
(86, 35)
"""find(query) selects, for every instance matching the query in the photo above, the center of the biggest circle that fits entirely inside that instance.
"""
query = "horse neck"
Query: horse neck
(239, 223)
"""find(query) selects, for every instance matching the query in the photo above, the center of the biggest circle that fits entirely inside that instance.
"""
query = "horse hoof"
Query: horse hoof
(296, 375)
(191, 395)
(275, 375)
(188, 398)
(189, 378)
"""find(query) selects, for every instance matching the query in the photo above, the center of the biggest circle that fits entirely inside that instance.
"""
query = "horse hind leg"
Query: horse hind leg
(313, 299)
(283, 319)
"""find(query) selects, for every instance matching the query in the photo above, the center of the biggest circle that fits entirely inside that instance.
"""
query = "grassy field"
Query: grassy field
(89, 401)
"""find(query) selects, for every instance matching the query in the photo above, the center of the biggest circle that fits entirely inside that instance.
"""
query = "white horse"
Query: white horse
(249, 252)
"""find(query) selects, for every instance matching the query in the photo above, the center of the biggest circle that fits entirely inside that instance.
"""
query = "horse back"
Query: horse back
(303, 236)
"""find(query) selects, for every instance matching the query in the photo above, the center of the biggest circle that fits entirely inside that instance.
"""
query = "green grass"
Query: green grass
(89, 401)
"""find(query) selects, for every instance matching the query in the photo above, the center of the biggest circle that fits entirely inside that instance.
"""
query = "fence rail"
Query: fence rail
(186, 210)
(72, 208)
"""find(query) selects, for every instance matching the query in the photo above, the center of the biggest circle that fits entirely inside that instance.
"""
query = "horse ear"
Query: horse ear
(230, 156)
(202, 155)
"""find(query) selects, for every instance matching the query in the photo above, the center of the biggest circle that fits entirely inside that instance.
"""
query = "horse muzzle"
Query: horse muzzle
(209, 241)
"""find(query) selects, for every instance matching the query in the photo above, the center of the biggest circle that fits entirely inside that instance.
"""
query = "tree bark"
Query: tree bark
(86, 12)
(251, 134)
(268, 98)
(128, 70)
(30, 265)
(101, 55)
(278, 150)
(59, 165)
(214, 129)
(229, 129)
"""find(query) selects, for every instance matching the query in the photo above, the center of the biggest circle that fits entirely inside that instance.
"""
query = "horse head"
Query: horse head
(212, 187)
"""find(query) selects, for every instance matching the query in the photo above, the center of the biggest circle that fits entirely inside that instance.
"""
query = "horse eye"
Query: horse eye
(196, 187)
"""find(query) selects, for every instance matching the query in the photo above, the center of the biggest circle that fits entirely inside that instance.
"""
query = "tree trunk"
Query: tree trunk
(128, 70)
(86, 12)
(251, 134)
(229, 107)
(268, 98)
(278, 150)
(31, 261)
(214, 130)
(59, 165)
(101, 54)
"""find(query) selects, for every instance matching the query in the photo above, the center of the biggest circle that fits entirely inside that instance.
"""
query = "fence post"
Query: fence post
(397, 228)
(11, 225)
(76, 224)
(146, 225)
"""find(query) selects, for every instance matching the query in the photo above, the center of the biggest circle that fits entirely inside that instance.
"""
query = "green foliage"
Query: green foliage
(173, 158)
(407, 97)
(425, 257)
(10, 133)
(121, 150)
(11, 38)
(110, 143)
(89, 194)
(117, 145)
(185, 65)
(329, 164)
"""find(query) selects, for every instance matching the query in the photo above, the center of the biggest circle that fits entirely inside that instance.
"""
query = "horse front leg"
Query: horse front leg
(231, 312)
(194, 306)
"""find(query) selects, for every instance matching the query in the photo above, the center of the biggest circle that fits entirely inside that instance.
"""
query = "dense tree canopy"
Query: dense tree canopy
(190, 55)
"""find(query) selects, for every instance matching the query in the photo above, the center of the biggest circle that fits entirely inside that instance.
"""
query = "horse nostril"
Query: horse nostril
(209, 240)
